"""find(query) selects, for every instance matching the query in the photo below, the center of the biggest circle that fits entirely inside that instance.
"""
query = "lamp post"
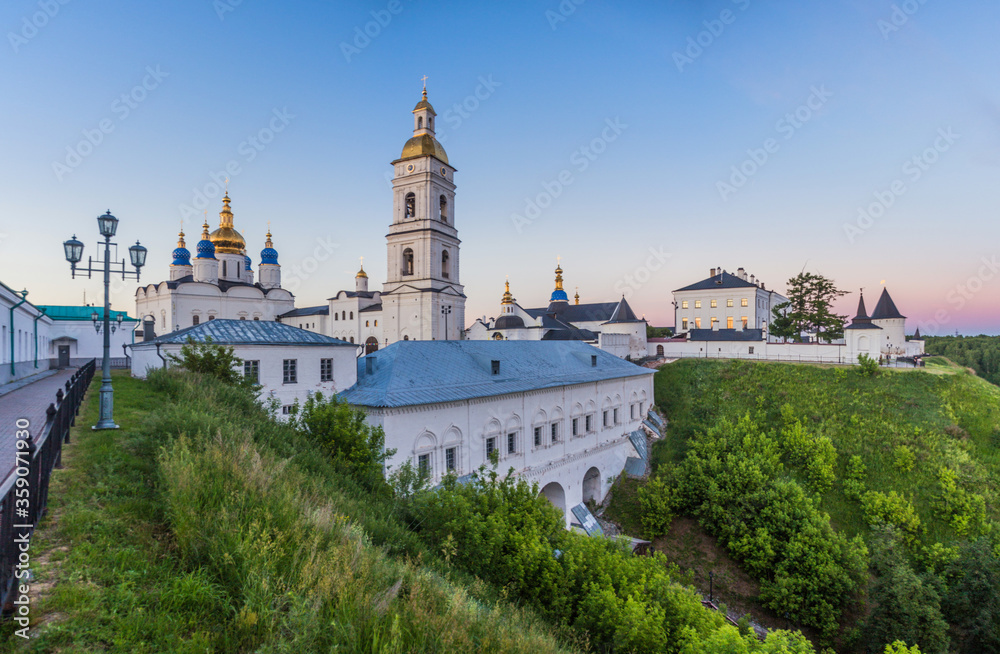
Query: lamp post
(445, 311)
(107, 225)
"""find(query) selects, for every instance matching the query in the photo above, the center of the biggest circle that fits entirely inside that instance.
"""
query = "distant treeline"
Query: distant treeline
(981, 353)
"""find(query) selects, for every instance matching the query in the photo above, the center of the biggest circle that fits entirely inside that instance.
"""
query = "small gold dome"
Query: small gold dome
(423, 145)
(424, 104)
(362, 273)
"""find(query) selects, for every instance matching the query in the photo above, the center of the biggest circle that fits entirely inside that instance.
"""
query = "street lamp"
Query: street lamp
(446, 311)
(107, 225)
(114, 326)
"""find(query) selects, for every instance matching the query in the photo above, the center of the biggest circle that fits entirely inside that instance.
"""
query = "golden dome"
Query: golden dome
(424, 104)
(361, 273)
(226, 239)
(507, 297)
(423, 145)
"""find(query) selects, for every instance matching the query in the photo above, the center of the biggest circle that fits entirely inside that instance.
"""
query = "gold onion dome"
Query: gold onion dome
(226, 239)
(507, 297)
(361, 273)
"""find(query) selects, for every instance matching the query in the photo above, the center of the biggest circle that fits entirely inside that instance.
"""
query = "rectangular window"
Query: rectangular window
(697, 323)
(729, 322)
(286, 409)
(590, 423)
(633, 409)
(576, 426)
(511, 443)
(251, 370)
(451, 459)
(744, 303)
(697, 304)
(684, 304)
(289, 371)
(605, 418)
(326, 370)
(538, 436)
(714, 304)
(684, 324)
(616, 416)
(491, 446)
(554, 431)
(729, 303)
(751, 349)
(424, 465)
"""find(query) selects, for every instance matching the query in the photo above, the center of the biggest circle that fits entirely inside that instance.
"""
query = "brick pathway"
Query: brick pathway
(29, 402)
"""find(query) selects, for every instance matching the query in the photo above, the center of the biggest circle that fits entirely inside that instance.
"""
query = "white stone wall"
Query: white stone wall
(175, 309)
(433, 429)
(23, 330)
(271, 358)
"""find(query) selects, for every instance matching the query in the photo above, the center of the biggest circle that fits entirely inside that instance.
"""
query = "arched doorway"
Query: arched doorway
(371, 345)
(555, 494)
(592, 485)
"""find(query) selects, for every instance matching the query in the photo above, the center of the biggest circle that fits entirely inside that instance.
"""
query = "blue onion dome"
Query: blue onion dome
(247, 263)
(269, 254)
(205, 247)
(182, 257)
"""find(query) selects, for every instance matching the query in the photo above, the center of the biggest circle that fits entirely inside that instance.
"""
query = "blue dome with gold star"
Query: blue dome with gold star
(205, 247)
(269, 254)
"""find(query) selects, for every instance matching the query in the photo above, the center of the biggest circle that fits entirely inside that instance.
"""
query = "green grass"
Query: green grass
(950, 421)
(202, 526)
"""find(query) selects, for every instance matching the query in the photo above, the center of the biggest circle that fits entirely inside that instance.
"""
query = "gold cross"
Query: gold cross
(424, 80)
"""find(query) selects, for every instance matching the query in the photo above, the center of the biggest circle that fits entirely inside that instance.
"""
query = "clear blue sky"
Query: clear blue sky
(883, 89)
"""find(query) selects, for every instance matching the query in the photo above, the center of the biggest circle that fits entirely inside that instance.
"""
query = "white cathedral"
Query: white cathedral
(422, 298)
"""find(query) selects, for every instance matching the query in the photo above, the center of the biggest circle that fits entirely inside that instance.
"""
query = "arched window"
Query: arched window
(366, 323)
(411, 205)
(420, 123)
(406, 338)
(659, 350)
(430, 123)
(343, 315)
(445, 264)
(352, 339)
(444, 209)
(407, 261)
(498, 336)
(371, 345)
(223, 267)
(336, 316)
(376, 323)
(352, 315)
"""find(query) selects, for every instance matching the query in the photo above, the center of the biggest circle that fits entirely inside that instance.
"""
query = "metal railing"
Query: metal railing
(24, 493)
(898, 362)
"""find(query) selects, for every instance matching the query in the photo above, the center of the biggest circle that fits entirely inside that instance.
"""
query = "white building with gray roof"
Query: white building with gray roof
(560, 414)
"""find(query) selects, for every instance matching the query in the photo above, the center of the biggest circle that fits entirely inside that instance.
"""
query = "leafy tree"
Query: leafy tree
(972, 603)
(342, 430)
(867, 365)
(899, 647)
(905, 606)
(981, 353)
(658, 332)
(810, 299)
(214, 360)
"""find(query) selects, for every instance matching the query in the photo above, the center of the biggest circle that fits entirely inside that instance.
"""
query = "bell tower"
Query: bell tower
(422, 298)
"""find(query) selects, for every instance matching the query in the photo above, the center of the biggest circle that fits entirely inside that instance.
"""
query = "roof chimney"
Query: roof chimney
(741, 273)
(713, 273)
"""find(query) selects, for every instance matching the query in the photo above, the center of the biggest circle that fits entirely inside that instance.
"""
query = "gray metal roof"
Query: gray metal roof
(587, 520)
(323, 310)
(408, 373)
(723, 280)
(246, 332)
(638, 438)
(635, 467)
(886, 308)
(726, 335)
(623, 313)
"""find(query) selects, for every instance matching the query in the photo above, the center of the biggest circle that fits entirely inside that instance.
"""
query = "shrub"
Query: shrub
(904, 458)
(881, 509)
(656, 502)
(213, 360)
(867, 366)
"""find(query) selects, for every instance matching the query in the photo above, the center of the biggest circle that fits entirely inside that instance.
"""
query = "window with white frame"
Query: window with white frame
(576, 426)
(589, 420)
(286, 409)
(606, 416)
(616, 417)
(554, 432)
(491, 446)
(326, 370)
(512, 443)
(424, 465)
(451, 459)
(251, 370)
(538, 436)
